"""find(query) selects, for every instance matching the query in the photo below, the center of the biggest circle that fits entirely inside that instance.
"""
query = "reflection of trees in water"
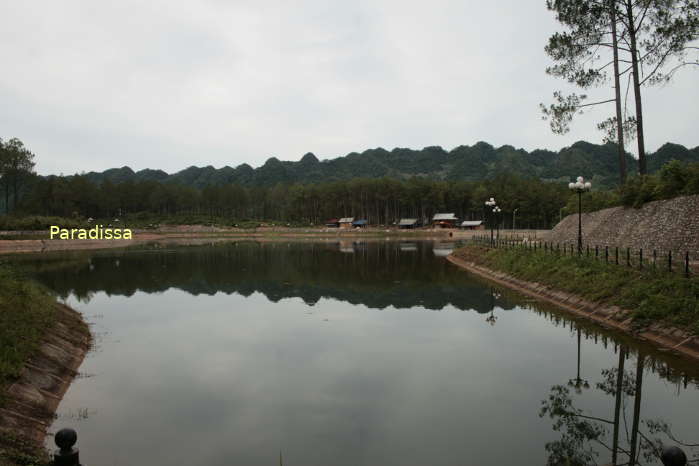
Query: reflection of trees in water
(584, 435)
(377, 274)
(655, 361)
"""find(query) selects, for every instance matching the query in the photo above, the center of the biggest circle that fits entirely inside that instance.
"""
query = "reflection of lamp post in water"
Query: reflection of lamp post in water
(493, 296)
(578, 383)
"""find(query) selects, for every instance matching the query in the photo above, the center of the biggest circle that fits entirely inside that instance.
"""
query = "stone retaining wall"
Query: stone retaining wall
(670, 225)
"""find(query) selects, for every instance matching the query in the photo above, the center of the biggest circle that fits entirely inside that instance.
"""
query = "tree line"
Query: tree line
(381, 201)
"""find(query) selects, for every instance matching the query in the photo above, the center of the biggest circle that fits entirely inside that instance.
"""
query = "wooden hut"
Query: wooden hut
(332, 223)
(472, 225)
(444, 220)
(360, 223)
(407, 223)
(346, 222)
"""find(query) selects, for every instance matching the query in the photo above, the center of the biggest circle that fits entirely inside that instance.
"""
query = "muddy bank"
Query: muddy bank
(666, 338)
(33, 399)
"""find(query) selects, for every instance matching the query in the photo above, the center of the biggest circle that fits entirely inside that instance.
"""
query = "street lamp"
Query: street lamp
(580, 186)
(514, 213)
(496, 211)
(490, 204)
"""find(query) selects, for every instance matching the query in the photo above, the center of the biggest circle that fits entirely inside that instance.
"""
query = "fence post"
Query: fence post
(596, 251)
(686, 264)
(606, 254)
(616, 254)
(587, 250)
(669, 261)
(628, 257)
(655, 257)
(66, 455)
(640, 258)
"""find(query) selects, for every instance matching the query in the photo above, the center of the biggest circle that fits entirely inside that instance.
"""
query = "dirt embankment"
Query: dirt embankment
(30, 403)
(669, 339)
(194, 234)
(194, 237)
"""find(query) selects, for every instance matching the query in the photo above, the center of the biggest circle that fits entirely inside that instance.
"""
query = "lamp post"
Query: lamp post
(490, 204)
(580, 186)
(514, 214)
(496, 211)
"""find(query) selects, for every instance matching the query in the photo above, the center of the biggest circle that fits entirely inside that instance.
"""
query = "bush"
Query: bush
(674, 179)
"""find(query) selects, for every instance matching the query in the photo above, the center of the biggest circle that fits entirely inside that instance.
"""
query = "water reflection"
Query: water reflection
(377, 275)
(587, 436)
(203, 340)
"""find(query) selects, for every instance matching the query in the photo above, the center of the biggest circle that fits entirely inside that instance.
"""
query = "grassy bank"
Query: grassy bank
(26, 311)
(651, 295)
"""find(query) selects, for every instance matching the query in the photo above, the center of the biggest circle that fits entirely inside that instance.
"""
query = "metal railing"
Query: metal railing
(677, 262)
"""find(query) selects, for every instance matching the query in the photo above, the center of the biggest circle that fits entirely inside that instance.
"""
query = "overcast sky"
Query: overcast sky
(91, 85)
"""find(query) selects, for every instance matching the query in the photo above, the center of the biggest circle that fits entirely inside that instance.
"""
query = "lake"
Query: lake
(344, 353)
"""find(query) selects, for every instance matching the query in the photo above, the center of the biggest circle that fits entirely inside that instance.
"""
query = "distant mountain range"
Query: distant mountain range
(593, 161)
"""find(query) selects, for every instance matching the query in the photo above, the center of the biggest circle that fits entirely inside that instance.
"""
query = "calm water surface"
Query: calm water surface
(343, 353)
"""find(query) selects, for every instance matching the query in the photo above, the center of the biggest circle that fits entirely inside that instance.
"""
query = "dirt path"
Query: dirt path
(669, 339)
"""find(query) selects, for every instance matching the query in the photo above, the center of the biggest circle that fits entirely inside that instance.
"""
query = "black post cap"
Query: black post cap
(673, 456)
(66, 438)
(66, 455)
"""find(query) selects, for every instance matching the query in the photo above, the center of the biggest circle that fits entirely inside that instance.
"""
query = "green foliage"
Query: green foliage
(463, 163)
(18, 451)
(381, 201)
(593, 201)
(674, 179)
(38, 222)
(652, 296)
(16, 167)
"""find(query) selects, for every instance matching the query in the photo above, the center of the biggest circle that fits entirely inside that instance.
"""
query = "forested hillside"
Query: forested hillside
(464, 163)
(378, 185)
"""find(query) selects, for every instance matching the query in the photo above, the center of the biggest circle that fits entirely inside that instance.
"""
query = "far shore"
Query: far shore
(38, 241)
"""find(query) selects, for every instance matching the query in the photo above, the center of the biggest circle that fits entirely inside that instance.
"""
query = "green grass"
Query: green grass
(26, 310)
(651, 295)
(18, 451)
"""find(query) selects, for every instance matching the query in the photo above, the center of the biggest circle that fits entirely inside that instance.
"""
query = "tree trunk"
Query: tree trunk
(617, 403)
(7, 195)
(636, 409)
(14, 191)
(617, 98)
(631, 24)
